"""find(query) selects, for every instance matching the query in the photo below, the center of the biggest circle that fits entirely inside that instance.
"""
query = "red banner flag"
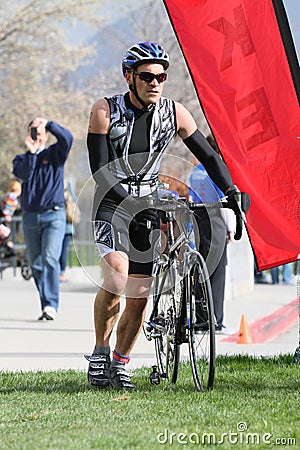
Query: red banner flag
(237, 55)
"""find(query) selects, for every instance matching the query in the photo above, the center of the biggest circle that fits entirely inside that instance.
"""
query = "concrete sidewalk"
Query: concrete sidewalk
(28, 344)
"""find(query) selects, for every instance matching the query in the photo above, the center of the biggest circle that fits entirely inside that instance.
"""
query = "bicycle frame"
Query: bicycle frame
(175, 245)
(175, 318)
(173, 325)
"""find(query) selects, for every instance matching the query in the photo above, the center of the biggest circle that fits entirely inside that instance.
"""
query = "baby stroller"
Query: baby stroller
(9, 257)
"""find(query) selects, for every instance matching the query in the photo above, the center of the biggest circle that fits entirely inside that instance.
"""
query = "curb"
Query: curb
(267, 327)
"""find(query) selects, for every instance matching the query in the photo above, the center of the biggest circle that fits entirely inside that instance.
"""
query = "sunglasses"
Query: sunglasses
(148, 77)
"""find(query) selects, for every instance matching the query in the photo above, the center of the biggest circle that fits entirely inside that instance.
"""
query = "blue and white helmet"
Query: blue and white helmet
(144, 52)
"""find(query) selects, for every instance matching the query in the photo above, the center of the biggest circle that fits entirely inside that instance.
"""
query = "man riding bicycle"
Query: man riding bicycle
(127, 136)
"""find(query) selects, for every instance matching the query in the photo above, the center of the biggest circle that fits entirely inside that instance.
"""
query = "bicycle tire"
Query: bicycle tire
(167, 349)
(201, 326)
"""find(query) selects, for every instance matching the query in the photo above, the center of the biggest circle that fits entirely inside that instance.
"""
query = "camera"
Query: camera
(33, 133)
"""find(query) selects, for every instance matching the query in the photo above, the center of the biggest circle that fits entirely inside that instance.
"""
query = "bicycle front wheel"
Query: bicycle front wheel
(167, 293)
(201, 325)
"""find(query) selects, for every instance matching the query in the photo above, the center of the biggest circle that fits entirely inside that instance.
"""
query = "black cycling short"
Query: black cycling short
(114, 230)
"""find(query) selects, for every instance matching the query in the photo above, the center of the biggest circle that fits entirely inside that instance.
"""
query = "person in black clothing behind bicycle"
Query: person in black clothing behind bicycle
(127, 136)
(217, 229)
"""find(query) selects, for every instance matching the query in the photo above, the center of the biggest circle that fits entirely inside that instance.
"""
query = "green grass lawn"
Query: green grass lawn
(254, 405)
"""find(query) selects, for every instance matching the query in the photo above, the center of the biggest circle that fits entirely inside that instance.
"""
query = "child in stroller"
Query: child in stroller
(8, 206)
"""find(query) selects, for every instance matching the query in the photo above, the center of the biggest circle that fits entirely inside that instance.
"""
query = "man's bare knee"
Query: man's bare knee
(115, 273)
(138, 286)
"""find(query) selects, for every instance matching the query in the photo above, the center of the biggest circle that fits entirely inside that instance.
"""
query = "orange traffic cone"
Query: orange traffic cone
(244, 332)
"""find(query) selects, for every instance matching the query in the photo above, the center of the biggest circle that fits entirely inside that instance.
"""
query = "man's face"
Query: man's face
(149, 92)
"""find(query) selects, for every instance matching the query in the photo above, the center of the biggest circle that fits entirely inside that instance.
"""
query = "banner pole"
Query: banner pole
(296, 358)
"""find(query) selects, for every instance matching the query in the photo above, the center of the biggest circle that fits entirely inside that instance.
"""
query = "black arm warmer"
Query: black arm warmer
(215, 167)
(99, 159)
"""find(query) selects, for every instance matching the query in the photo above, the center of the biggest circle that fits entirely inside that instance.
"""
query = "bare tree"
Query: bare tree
(43, 55)
(37, 58)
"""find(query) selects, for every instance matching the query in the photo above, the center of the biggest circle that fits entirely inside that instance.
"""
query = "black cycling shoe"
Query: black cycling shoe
(98, 371)
(120, 378)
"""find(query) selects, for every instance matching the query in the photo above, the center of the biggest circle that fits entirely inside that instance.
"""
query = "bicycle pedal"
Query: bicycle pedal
(154, 376)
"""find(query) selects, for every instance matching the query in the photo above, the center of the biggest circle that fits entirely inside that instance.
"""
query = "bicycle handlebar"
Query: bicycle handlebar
(239, 202)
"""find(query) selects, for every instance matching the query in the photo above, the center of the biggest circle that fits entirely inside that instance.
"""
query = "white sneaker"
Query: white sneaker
(221, 329)
(49, 313)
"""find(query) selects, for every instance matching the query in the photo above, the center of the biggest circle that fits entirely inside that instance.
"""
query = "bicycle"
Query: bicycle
(177, 317)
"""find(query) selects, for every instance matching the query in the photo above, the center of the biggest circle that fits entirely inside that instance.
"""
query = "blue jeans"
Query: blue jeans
(44, 233)
(286, 274)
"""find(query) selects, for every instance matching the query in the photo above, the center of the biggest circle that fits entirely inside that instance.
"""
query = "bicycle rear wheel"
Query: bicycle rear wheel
(201, 325)
(167, 290)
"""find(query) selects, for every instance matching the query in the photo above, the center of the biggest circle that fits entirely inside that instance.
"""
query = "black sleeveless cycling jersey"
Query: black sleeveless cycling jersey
(138, 138)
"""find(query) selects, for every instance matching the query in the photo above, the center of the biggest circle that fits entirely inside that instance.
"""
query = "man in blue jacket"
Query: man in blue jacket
(41, 171)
